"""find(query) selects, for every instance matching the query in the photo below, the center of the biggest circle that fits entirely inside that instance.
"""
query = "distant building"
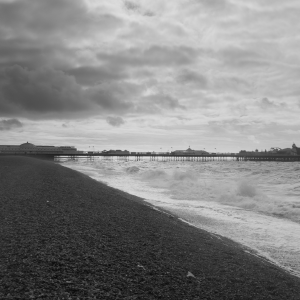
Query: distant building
(274, 151)
(116, 152)
(28, 148)
(285, 151)
(296, 149)
(189, 151)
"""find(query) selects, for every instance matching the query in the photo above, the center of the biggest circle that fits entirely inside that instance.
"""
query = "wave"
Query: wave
(246, 189)
(244, 193)
(260, 172)
(266, 188)
(132, 170)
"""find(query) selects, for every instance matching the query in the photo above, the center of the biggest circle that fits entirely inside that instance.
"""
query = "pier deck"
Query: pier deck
(167, 157)
(206, 157)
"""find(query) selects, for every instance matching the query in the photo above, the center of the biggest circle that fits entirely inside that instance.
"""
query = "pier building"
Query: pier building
(189, 151)
(122, 152)
(296, 149)
(29, 148)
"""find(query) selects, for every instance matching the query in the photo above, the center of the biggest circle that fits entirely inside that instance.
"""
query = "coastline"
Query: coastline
(66, 235)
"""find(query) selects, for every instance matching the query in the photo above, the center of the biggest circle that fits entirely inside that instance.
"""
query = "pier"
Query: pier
(163, 157)
(172, 157)
(70, 152)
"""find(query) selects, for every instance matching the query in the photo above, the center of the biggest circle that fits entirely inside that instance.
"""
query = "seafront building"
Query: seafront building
(121, 152)
(189, 151)
(28, 148)
(296, 149)
(274, 151)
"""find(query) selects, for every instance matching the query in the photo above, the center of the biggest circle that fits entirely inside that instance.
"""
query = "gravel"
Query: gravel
(64, 235)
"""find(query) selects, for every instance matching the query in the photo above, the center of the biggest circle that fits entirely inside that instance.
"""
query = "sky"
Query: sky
(219, 75)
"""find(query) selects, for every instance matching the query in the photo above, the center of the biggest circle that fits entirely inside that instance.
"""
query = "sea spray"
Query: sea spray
(245, 188)
(132, 169)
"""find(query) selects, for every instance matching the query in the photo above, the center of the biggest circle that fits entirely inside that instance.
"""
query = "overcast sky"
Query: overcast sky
(148, 75)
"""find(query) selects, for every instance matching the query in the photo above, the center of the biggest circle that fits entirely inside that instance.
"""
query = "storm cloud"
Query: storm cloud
(115, 121)
(208, 61)
(10, 124)
(38, 91)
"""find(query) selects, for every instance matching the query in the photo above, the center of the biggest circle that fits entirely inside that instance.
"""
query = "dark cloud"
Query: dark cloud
(115, 121)
(35, 33)
(89, 75)
(157, 103)
(149, 13)
(29, 53)
(10, 124)
(136, 8)
(266, 104)
(131, 5)
(47, 92)
(124, 97)
(55, 18)
(45, 18)
(190, 76)
(114, 97)
(38, 91)
(154, 56)
(46, 55)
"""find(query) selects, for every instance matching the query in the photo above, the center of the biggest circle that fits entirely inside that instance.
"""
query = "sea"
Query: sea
(256, 204)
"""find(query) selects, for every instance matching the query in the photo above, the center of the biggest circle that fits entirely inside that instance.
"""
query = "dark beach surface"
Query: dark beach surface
(64, 235)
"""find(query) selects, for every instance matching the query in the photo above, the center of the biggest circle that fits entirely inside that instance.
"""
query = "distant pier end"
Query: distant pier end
(38, 151)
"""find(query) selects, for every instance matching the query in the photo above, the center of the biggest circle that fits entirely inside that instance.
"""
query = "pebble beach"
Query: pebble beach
(66, 236)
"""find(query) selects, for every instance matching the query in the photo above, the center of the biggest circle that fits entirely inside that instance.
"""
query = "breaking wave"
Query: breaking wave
(133, 169)
(243, 193)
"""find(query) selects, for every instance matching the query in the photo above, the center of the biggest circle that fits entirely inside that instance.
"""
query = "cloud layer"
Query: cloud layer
(214, 66)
